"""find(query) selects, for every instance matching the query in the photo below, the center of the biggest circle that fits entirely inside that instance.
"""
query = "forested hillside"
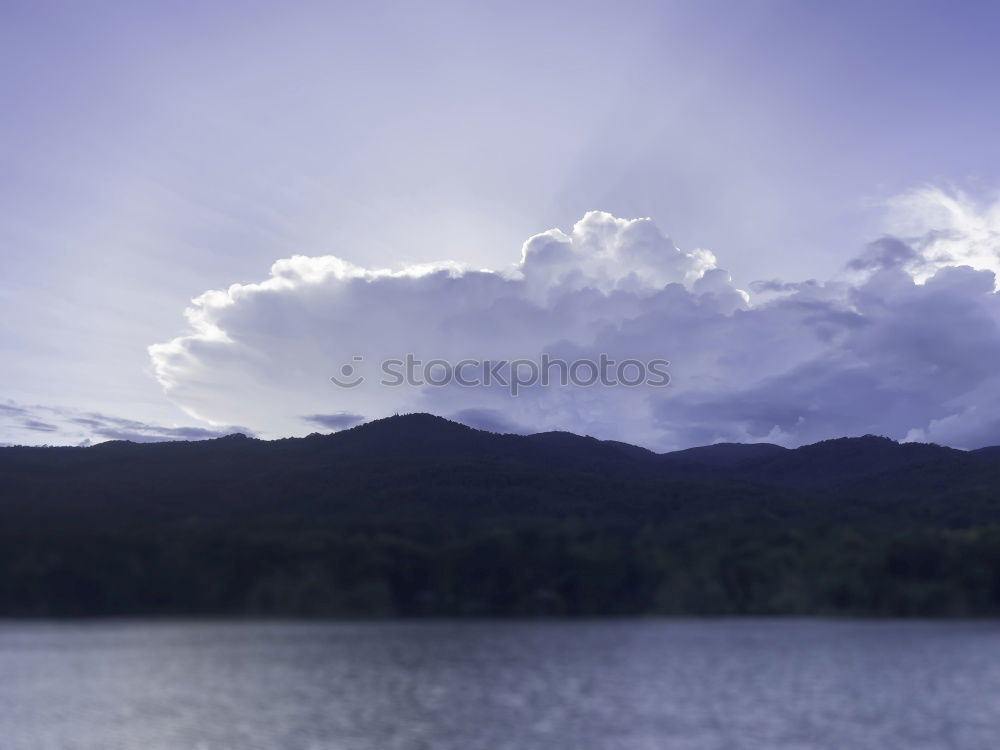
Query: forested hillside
(418, 516)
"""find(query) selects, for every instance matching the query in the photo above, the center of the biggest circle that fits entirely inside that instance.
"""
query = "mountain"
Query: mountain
(845, 461)
(725, 454)
(416, 515)
(428, 439)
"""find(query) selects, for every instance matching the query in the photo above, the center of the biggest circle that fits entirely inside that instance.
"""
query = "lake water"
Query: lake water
(590, 685)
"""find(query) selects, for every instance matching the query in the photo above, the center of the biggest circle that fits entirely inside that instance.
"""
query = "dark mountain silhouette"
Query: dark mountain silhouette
(725, 454)
(844, 461)
(417, 515)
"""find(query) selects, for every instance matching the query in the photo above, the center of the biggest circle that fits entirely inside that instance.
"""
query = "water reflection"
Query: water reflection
(597, 685)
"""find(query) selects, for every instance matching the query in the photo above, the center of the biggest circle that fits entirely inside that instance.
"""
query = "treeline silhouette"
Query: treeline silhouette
(418, 516)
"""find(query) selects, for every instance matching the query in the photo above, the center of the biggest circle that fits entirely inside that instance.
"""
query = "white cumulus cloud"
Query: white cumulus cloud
(904, 344)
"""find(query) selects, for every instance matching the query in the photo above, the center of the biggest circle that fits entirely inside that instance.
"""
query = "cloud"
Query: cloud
(946, 228)
(38, 426)
(885, 253)
(141, 433)
(21, 424)
(338, 421)
(904, 343)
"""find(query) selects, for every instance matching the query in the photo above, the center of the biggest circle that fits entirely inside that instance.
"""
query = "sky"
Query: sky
(207, 208)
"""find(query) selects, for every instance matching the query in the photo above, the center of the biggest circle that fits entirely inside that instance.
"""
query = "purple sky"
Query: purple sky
(151, 152)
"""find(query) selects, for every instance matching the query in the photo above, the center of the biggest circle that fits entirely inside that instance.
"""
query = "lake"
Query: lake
(517, 685)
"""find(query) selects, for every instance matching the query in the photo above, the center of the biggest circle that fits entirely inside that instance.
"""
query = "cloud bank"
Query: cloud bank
(30, 424)
(904, 343)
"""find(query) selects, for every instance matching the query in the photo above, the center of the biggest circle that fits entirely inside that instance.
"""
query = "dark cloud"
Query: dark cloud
(114, 428)
(153, 434)
(338, 421)
(71, 427)
(39, 426)
(888, 252)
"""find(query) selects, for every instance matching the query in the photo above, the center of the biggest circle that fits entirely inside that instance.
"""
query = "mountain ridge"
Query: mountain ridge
(827, 463)
(420, 516)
